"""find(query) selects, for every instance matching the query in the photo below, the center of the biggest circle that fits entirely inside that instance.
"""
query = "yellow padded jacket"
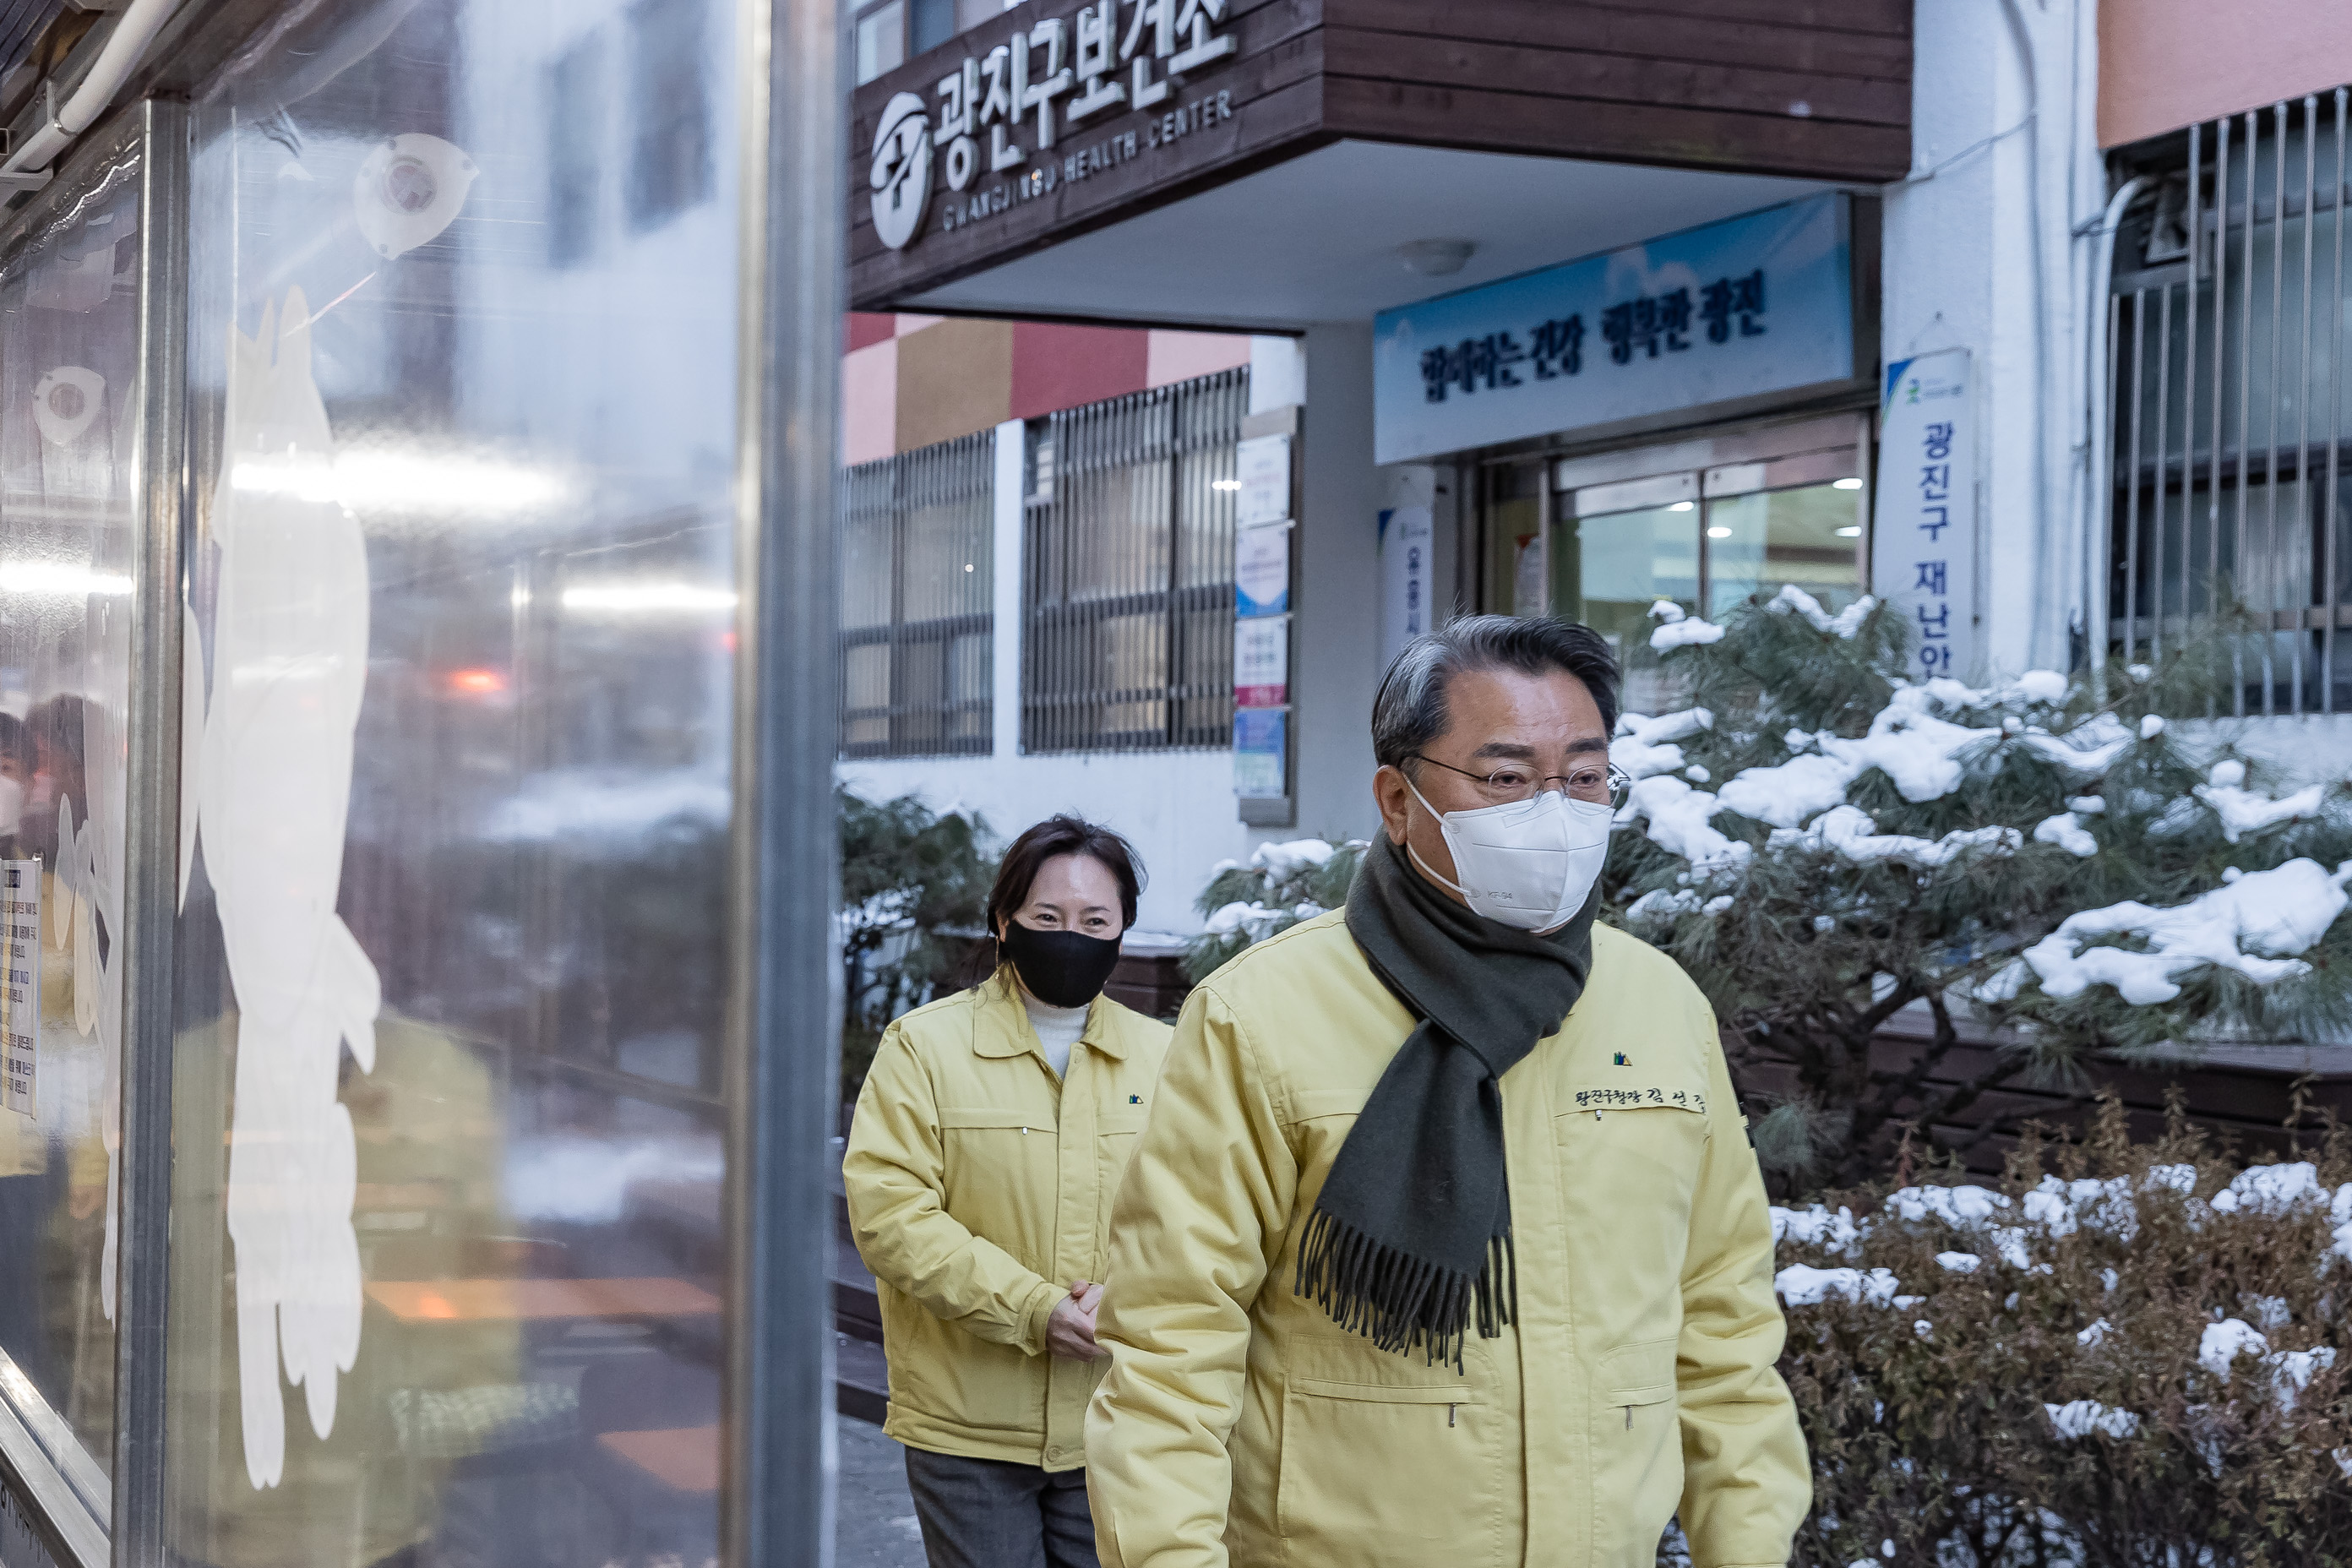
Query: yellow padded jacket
(979, 1187)
(1238, 1424)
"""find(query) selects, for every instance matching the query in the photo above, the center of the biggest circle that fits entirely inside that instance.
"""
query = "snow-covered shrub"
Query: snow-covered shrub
(2124, 1356)
(1822, 842)
(1277, 887)
(911, 880)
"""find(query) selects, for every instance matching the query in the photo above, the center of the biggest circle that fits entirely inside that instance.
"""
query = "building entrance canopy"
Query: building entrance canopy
(1267, 163)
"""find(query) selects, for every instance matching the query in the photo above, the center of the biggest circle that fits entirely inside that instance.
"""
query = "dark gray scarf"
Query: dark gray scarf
(1412, 1236)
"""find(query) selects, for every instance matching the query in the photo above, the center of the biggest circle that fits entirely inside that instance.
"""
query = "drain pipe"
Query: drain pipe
(2098, 486)
(139, 22)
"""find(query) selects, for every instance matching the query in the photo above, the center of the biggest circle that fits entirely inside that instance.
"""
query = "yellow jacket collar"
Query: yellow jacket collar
(1001, 1025)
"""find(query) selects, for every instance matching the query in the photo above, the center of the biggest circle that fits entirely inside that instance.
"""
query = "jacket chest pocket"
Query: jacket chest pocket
(1000, 1170)
(1629, 1161)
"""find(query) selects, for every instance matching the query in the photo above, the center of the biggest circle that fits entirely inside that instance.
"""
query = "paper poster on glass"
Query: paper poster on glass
(1923, 541)
(20, 995)
(1258, 770)
(1262, 468)
(1262, 662)
(1262, 570)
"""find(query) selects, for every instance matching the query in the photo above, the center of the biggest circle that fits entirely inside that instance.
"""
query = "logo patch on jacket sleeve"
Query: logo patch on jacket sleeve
(1621, 1060)
(1135, 1100)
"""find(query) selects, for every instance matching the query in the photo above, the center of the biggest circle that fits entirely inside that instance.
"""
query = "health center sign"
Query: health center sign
(1757, 304)
(1051, 106)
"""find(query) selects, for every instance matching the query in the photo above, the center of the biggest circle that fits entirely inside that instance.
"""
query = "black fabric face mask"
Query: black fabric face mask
(1061, 968)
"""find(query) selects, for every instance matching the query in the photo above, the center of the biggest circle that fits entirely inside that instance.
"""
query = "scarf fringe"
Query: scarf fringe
(1400, 1302)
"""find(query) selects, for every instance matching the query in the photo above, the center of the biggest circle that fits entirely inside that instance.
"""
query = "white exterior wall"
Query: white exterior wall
(1175, 807)
(1980, 251)
(1989, 243)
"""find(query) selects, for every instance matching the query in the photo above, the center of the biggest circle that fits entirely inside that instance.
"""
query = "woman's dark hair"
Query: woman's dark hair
(1063, 834)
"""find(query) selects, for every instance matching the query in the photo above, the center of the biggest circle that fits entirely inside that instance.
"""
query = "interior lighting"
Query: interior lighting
(55, 579)
(648, 598)
(1845, 484)
(1851, 530)
(477, 682)
(1225, 484)
(383, 480)
(1680, 505)
(1719, 534)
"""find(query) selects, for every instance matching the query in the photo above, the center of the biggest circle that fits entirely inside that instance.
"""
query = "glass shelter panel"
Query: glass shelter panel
(447, 1255)
(68, 429)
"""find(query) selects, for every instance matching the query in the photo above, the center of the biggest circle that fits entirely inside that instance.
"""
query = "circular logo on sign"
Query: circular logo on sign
(902, 170)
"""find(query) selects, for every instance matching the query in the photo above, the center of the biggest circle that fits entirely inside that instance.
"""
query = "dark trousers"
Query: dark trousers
(986, 1513)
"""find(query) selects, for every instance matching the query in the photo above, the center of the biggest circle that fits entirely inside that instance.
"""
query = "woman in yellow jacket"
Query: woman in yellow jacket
(987, 1143)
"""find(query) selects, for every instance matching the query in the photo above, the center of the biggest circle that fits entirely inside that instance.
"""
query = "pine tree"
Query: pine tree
(2052, 859)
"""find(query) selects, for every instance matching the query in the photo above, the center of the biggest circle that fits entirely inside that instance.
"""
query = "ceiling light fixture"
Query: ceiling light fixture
(1435, 257)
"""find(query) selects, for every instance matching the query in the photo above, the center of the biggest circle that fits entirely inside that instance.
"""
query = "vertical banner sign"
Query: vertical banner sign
(1923, 540)
(1261, 617)
(1262, 570)
(20, 996)
(1407, 532)
(1261, 469)
(1262, 662)
(1259, 773)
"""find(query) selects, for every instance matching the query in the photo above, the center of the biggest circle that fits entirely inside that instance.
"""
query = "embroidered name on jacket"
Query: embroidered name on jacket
(1631, 1099)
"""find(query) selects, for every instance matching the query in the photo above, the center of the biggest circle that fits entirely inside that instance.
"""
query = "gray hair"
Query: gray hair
(1410, 711)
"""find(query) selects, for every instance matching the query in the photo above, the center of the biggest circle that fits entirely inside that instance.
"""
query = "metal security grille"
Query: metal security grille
(2226, 324)
(1128, 563)
(915, 593)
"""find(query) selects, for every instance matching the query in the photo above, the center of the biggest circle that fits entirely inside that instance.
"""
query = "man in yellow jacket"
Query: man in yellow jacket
(988, 1142)
(1446, 1244)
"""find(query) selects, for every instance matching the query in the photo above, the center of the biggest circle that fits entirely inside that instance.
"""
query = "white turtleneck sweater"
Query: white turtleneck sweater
(1058, 1029)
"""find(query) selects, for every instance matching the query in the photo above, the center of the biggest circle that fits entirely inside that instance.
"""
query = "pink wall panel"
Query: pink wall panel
(860, 327)
(1180, 356)
(2164, 64)
(869, 402)
(1057, 366)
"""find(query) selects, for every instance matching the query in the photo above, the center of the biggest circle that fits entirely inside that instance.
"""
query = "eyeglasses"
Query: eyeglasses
(1592, 783)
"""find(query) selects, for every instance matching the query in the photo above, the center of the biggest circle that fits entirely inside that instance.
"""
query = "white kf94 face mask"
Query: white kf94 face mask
(1529, 863)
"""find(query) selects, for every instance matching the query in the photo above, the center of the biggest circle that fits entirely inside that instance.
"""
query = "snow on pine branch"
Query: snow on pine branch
(2256, 925)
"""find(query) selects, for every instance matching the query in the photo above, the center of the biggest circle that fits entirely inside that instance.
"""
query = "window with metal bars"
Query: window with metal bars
(916, 624)
(1127, 589)
(2227, 326)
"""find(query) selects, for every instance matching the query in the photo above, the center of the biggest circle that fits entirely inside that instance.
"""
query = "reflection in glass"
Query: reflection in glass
(447, 1257)
(1625, 563)
(69, 396)
(1759, 542)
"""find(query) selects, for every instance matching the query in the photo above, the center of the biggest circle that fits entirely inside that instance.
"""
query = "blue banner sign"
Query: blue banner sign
(1260, 769)
(1754, 304)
